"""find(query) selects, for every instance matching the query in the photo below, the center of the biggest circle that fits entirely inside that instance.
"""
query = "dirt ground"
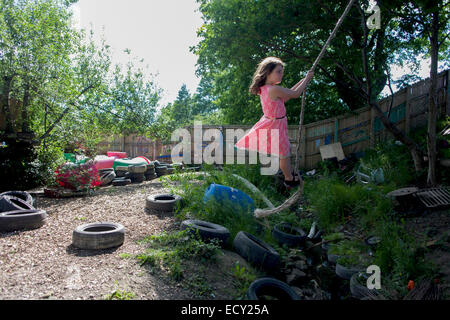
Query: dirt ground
(43, 263)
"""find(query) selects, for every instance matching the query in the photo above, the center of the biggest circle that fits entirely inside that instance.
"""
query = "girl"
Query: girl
(265, 84)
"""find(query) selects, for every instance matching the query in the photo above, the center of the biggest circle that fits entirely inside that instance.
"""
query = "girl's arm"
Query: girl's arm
(286, 94)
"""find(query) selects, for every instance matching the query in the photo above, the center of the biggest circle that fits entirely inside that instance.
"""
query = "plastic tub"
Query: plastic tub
(104, 162)
(117, 154)
(146, 159)
(129, 162)
(228, 197)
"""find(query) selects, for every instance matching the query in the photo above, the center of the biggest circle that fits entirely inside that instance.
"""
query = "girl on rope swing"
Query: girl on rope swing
(265, 84)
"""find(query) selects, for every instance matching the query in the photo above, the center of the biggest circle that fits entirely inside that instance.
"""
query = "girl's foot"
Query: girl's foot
(294, 182)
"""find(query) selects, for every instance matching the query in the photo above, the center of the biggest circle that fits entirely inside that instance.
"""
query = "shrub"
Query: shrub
(79, 177)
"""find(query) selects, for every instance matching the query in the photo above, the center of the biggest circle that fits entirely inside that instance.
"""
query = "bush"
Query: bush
(79, 177)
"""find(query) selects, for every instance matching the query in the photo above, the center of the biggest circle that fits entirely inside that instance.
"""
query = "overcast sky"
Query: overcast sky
(159, 31)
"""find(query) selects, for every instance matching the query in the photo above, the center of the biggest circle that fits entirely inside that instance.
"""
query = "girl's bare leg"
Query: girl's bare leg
(285, 166)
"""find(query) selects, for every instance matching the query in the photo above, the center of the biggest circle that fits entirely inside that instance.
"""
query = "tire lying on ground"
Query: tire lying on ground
(121, 182)
(287, 234)
(358, 290)
(102, 235)
(270, 288)
(19, 194)
(107, 178)
(11, 203)
(22, 220)
(206, 230)
(256, 251)
(345, 272)
(152, 176)
(137, 177)
(163, 203)
(137, 168)
(161, 171)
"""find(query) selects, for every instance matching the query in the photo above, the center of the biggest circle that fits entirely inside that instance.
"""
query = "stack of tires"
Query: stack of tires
(122, 176)
(161, 169)
(18, 213)
(137, 173)
(106, 176)
(150, 173)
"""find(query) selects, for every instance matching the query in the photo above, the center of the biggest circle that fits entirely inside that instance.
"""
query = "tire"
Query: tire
(207, 230)
(20, 194)
(359, 291)
(12, 203)
(291, 240)
(107, 178)
(332, 258)
(344, 272)
(163, 203)
(106, 170)
(151, 176)
(137, 177)
(96, 236)
(372, 241)
(170, 170)
(137, 169)
(161, 171)
(120, 182)
(22, 220)
(271, 287)
(256, 251)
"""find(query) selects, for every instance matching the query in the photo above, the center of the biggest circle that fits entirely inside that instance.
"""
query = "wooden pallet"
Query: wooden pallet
(434, 197)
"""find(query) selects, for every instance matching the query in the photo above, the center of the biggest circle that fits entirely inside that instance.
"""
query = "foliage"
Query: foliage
(79, 177)
(168, 250)
(237, 34)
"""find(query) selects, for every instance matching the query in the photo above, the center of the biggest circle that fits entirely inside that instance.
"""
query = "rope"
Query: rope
(297, 195)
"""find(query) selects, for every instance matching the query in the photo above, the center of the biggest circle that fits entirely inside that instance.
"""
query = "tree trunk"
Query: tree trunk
(432, 109)
(5, 104)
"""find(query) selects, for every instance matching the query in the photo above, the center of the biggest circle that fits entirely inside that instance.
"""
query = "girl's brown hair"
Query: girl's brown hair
(265, 67)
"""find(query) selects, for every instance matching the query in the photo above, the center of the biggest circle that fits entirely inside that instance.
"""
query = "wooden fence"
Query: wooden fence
(133, 145)
(358, 130)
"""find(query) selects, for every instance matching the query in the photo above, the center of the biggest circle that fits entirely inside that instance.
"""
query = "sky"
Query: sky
(159, 31)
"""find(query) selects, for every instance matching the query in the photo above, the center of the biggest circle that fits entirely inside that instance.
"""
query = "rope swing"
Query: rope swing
(260, 213)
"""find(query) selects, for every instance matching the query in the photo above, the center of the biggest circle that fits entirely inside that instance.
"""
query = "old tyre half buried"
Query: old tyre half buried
(121, 182)
(206, 230)
(11, 203)
(270, 289)
(25, 196)
(22, 220)
(289, 235)
(163, 203)
(358, 290)
(346, 272)
(101, 235)
(256, 251)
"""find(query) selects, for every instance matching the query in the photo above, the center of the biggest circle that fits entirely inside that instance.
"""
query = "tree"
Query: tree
(237, 34)
(56, 86)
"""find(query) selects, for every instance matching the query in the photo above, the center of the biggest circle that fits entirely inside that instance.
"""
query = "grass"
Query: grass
(172, 252)
(335, 204)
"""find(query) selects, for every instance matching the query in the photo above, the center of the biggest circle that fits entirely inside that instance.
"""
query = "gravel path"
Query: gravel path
(43, 264)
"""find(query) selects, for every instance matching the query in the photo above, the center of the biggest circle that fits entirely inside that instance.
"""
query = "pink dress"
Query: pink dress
(274, 121)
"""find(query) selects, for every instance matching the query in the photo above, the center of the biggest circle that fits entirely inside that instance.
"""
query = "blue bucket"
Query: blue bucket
(228, 197)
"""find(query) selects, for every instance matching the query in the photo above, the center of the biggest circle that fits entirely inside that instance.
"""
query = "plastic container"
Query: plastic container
(228, 197)
(69, 156)
(146, 159)
(117, 154)
(103, 162)
(128, 162)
